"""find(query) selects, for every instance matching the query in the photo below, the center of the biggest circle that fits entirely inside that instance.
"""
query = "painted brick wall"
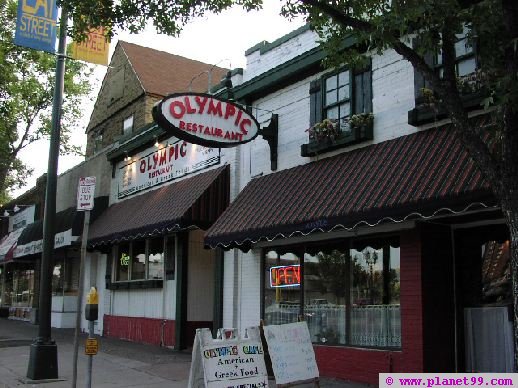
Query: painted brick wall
(257, 63)
(393, 97)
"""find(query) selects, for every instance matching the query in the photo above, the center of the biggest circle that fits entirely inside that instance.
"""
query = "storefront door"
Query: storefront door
(484, 296)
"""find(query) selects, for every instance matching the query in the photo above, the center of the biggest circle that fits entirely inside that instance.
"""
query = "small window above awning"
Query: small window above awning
(415, 176)
(193, 202)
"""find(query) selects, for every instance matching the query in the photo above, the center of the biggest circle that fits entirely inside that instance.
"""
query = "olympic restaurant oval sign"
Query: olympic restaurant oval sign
(206, 120)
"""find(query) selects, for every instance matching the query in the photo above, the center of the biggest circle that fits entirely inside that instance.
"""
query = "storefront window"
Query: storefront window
(282, 288)
(375, 312)
(156, 258)
(122, 262)
(65, 276)
(8, 286)
(22, 290)
(140, 259)
(325, 292)
(351, 295)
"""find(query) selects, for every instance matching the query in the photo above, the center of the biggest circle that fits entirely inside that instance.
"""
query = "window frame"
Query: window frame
(347, 245)
(338, 103)
(128, 130)
(423, 113)
(432, 59)
(98, 142)
(166, 253)
(359, 100)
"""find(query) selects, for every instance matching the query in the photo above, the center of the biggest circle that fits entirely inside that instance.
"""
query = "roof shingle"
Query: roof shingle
(162, 73)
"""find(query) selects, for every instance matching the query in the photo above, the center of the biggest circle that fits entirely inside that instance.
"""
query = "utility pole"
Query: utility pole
(43, 360)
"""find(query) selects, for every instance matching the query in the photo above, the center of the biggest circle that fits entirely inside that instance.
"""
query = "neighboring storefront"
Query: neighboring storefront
(18, 278)
(160, 284)
(66, 262)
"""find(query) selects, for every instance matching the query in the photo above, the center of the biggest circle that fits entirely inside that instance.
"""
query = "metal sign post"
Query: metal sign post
(91, 315)
(85, 202)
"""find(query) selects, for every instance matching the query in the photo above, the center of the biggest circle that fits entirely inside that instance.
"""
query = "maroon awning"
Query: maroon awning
(418, 175)
(192, 202)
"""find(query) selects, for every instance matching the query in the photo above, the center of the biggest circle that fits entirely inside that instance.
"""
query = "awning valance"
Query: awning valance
(191, 202)
(8, 245)
(68, 229)
(418, 175)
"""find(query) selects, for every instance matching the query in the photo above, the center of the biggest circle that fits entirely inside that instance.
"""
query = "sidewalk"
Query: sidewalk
(118, 363)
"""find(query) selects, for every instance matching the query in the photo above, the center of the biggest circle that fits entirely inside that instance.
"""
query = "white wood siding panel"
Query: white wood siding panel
(200, 284)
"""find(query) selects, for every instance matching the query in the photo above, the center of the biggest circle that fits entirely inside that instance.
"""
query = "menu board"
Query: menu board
(291, 352)
(228, 362)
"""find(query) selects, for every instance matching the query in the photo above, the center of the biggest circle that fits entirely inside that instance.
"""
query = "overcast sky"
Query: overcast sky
(215, 39)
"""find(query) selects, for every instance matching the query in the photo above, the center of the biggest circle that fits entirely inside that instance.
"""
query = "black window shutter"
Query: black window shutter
(358, 99)
(367, 91)
(315, 101)
(362, 89)
(363, 92)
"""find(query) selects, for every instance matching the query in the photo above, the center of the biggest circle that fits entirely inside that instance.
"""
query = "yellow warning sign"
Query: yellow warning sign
(91, 346)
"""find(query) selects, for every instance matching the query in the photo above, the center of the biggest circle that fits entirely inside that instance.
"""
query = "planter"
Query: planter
(357, 135)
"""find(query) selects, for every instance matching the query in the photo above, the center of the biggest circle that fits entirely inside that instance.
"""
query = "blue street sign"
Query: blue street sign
(36, 24)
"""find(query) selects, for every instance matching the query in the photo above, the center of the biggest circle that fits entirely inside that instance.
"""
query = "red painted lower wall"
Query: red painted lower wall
(149, 330)
(139, 329)
(364, 365)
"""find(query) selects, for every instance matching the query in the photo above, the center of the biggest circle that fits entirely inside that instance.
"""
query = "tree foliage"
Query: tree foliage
(27, 79)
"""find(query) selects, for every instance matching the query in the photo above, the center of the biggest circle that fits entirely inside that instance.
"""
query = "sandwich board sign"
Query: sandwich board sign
(229, 361)
(85, 193)
(291, 353)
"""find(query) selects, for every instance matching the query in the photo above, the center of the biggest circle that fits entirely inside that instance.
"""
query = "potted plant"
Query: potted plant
(325, 131)
(361, 125)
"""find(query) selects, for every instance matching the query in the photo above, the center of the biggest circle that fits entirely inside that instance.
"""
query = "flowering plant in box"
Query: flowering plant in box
(326, 130)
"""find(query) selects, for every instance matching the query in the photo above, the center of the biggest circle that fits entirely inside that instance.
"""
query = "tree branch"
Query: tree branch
(402, 49)
(446, 90)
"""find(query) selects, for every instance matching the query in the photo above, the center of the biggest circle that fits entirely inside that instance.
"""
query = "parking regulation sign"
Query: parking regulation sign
(85, 193)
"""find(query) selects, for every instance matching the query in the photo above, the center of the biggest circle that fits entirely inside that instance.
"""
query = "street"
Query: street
(118, 363)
